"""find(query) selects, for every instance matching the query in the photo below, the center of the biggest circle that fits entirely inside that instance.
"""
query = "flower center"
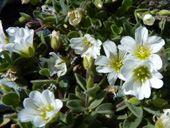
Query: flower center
(142, 73)
(143, 52)
(116, 64)
(86, 42)
(45, 109)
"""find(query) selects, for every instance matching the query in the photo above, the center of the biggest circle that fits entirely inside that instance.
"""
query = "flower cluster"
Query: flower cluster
(85, 63)
(137, 62)
(19, 40)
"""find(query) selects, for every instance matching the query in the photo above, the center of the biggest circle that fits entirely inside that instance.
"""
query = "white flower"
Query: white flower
(140, 77)
(148, 19)
(55, 64)
(40, 108)
(165, 118)
(111, 63)
(48, 9)
(21, 41)
(3, 37)
(75, 16)
(25, 1)
(143, 47)
(86, 45)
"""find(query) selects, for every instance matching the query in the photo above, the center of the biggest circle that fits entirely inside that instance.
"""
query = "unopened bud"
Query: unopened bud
(148, 19)
(98, 4)
(55, 40)
(75, 16)
(87, 62)
(164, 12)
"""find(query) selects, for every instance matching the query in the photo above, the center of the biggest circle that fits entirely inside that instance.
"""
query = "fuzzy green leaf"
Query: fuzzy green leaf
(136, 110)
(76, 105)
(81, 81)
(97, 100)
(106, 108)
(92, 91)
(132, 121)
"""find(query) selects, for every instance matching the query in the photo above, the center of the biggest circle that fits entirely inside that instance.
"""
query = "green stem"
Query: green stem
(37, 61)
(87, 97)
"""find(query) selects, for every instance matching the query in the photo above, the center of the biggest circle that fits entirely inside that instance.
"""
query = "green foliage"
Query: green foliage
(87, 102)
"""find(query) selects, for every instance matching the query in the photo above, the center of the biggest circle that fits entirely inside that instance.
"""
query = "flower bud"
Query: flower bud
(164, 12)
(98, 4)
(87, 62)
(163, 121)
(148, 19)
(55, 40)
(25, 1)
(75, 16)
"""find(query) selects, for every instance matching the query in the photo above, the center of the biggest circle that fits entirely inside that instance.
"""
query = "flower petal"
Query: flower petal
(156, 43)
(141, 35)
(112, 77)
(39, 121)
(110, 48)
(27, 115)
(156, 83)
(48, 96)
(127, 44)
(128, 67)
(102, 61)
(156, 61)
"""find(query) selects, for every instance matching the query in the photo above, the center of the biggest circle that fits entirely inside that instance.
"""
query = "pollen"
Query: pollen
(45, 109)
(142, 73)
(87, 42)
(116, 63)
(142, 52)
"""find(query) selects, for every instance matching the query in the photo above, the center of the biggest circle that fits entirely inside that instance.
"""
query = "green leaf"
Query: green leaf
(153, 110)
(64, 85)
(95, 23)
(121, 117)
(7, 56)
(81, 81)
(10, 99)
(136, 110)
(97, 100)
(159, 102)
(76, 105)
(37, 14)
(126, 4)
(70, 118)
(150, 126)
(132, 121)
(116, 30)
(129, 30)
(64, 7)
(92, 91)
(43, 81)
(4, 88)
(134, 101)
(106, 108)
(4, 67)
(37, 87)
(50, 19)
(45, 72)
(73, 34)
